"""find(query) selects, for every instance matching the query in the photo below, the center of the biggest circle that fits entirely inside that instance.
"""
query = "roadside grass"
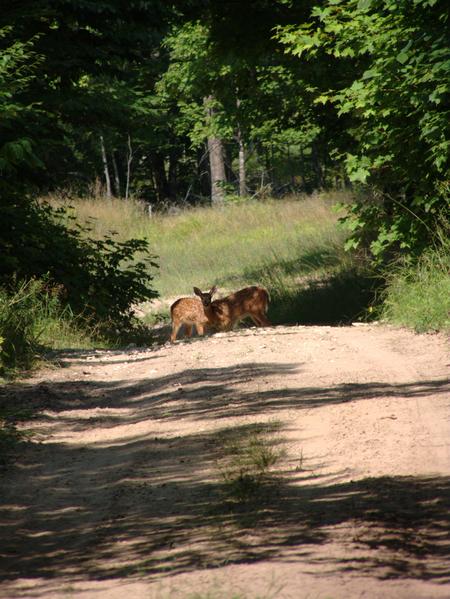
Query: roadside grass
(220, 245)
(418, 295)
(227, 246)
(32, 319)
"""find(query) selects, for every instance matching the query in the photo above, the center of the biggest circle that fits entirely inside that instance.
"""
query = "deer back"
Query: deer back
(245, 302)
(188, 310)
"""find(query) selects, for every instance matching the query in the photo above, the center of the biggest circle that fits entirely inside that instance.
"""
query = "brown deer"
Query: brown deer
(187, 311)
(224, 313)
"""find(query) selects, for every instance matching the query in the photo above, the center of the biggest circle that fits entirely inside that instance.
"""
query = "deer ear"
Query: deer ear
(213, 290)
(197, 291)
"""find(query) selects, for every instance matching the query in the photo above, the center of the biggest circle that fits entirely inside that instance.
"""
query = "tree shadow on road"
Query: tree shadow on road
(170, 516)
(151, 506)
(203, 393)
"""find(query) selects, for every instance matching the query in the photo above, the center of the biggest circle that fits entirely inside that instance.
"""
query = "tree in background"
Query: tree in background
(100, 279)
(353, 90)
(393, 67)
(96, 60)
(18, 145)
(259, 108)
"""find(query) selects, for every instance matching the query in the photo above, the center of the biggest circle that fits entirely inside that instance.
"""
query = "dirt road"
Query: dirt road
(120, 492)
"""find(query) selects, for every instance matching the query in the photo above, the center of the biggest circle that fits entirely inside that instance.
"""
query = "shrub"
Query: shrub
(18, 332)
(32, 318)
(418, 294)
(101, 279)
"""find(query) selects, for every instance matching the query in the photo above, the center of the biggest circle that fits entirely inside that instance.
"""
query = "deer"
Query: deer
(187, 311)
(225, 313)
(220, 314)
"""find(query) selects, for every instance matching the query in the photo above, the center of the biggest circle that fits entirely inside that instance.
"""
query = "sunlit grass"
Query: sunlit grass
(126, 218)
(293, 246)
(231, 246)
(418, 295)
(32, 319)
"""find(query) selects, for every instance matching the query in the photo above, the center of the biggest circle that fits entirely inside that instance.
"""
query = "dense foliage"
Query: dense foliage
(99, 279)
(395, 89)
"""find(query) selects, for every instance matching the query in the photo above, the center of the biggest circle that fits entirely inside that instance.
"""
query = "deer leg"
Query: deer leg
(200, 329)
(188, 328)
(265, 322)
(175, 329)
(261, 320)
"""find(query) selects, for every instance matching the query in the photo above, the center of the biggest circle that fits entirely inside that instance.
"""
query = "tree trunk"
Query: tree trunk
(160, 177)
(116, 175)
(129, 161)
(216, 161)
(242, 174)
(105, 168)
(217, 168)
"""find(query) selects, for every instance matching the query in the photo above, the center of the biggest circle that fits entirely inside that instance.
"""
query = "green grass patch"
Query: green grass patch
(33, 319)
(223, 245)
(229, 246)
(418, 295)
(293, 246)
(249, 455)
(127, 219)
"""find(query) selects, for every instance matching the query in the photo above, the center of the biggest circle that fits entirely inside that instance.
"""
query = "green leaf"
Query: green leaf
(369, 74)
(359, 175)
(323, 99)
(351, 244)
(364, 4)
(402, 57)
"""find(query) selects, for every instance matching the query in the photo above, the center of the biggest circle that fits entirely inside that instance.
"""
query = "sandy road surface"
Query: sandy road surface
(119, 493)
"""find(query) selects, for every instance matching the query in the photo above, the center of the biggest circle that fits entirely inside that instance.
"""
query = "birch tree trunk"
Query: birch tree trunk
(216, 160)
(242, 173)
(105, 168)
(116, 175)
(129, 161)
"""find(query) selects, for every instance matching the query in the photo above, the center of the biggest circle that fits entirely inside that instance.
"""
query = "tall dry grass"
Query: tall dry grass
(230, 246)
